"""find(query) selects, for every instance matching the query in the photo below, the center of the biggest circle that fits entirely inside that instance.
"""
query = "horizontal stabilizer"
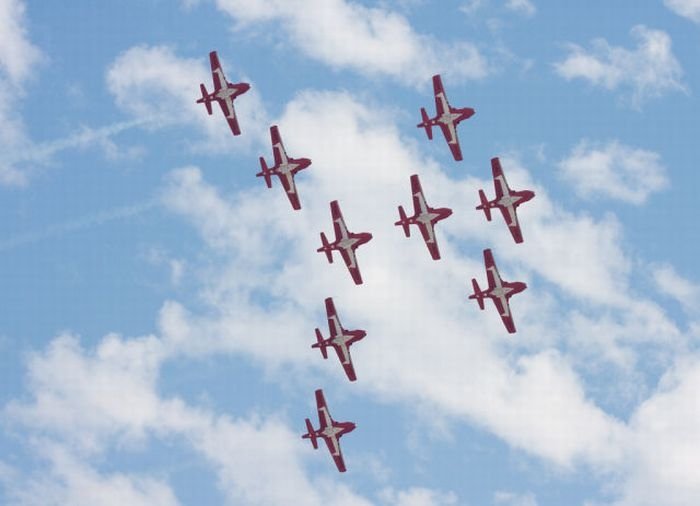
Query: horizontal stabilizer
(320, 344)
(403, 221)
(326, 248)
(478, 294)
(426, 123)
(310, 434)
(484, 205)
(265, 172)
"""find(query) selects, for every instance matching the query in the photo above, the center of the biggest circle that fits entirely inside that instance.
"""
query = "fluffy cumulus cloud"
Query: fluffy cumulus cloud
(530, 395)
(669, 282)
(509, 399)
(649, 70)
(687, 8)
(525, 7)
(19, 59)
(136, 80)
(370, 40)
(512, 499)
(614, 170)
(77, 403)
(69, 480)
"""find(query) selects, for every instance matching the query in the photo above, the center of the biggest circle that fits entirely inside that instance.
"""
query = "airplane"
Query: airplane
(224, 93)
(447, 118)
(499, 291)
(345, 242)
(424, 216)
(330, 430)
(285, 168)
(507, 200)
(340, 339)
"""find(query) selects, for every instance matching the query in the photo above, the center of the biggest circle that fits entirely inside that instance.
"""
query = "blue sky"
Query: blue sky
(159, 302)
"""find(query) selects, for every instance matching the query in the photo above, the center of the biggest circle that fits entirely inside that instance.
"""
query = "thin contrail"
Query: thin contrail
(94, 220)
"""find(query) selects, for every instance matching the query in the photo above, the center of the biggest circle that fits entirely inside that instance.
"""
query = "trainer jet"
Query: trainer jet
(345, 242)
(499, 291)
(447, 118)
(330, 430)
(340, 339)
(285, 168)
(507, 200)
(224, 93)
(424, 216)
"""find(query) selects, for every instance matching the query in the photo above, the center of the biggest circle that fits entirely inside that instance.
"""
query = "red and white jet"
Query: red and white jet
(285, 168)
(224, 93)
(424, 216)
(499, 291)
(447, 118)
(340, 339)
(330, 430)
(345, 242)
(507, 200)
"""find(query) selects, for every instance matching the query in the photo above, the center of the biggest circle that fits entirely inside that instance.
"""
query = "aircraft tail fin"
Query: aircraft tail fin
(326, 248)
(310, 434)
(484, 205)
(403, 221)
(426, 123)
(320, 344)
(478, 294)
(265, 172)
(205, 98)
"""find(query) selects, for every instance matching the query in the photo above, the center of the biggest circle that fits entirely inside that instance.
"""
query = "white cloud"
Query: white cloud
(647, 71)
(19, 59)
(670, 283)
(71, 481)
(18, 56)
(510, 399)
(155, 86)
(664, 455)
(687, 8)
(614, 170)
(369, 40)
(418, 496)
(513, 499)
(78, 398)
(525, 7)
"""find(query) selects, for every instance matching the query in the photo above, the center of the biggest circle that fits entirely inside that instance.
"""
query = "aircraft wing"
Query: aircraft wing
(230, 113)
(346, 361)
(500, 184)
(510, 215)
(419, 205)
(217, 74)
(324, 417)
(450, 132)
(277, 146)
(350, 260)
(503, 308)
(334, 449)
(428, 232)
(290, 188)
(341, 231)
(492, 275)
(334, 326)
(441, 104)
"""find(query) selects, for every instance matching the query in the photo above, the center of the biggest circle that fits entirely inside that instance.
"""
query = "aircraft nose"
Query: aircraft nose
(245, 87)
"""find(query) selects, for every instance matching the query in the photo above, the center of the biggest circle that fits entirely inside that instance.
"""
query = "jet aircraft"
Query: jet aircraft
(499, 291)
(285, 168)
(424, 216)
(224, 93)
(447, 118)
(507, 200)
(329, 430)
(345, 242)
(340, 339)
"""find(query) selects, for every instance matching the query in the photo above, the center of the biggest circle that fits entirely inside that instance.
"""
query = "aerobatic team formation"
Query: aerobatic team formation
(346, 242)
